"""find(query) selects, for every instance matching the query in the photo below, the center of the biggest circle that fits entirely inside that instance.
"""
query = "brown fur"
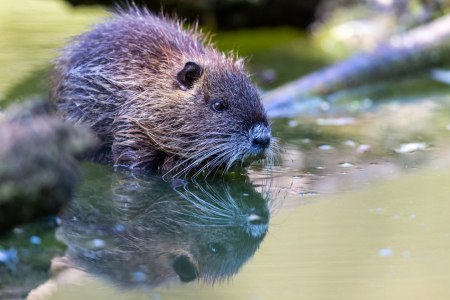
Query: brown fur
(120, 79)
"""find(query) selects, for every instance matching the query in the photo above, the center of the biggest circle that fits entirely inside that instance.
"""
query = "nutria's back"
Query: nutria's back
(158, 95)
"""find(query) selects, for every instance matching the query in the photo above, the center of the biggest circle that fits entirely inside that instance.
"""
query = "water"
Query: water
(356, 210)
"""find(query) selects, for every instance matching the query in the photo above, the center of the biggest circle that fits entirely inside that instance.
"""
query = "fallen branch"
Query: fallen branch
(421, 48)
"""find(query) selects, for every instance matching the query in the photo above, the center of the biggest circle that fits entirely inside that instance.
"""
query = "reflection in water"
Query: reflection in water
(143, 231)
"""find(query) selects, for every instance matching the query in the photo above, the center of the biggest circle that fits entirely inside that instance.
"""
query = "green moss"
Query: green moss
(288, 51)
(248, 41)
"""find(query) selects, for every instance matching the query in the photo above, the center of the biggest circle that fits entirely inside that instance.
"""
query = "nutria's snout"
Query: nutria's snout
(260, 139)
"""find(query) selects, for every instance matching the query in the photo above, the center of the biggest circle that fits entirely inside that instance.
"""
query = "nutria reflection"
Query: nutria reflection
(144, 231)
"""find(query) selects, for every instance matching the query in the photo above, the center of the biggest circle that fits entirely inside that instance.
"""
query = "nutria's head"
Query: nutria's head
(220, 119)
(159, 95)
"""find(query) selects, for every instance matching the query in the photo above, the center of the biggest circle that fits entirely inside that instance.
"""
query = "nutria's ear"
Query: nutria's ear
(184, 268)
(190, 74)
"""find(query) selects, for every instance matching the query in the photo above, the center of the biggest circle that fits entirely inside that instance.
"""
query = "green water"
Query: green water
(358, 206)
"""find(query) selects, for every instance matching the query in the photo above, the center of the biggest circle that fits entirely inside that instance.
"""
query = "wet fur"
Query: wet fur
(120, 80)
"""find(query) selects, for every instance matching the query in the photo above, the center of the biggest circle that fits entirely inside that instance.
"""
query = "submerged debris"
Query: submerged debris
(38, 168)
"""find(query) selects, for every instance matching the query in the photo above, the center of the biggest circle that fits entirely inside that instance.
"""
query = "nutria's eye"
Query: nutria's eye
(215, 248)
(218, 106)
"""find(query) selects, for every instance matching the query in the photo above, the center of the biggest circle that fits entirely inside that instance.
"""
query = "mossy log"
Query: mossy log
(38, 165)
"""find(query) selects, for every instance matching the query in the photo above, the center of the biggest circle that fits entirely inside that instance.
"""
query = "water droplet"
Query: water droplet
(345, 165)
(98, 243)
(4, 255)
(139, 276)
(35, 240)
(120, 227)
(320, 167)
(385, 252)
(363, 148)
(410, 147)
(326, 147)
(350, 143)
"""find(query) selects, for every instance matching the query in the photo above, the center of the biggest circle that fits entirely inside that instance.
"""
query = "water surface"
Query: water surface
(356, 209)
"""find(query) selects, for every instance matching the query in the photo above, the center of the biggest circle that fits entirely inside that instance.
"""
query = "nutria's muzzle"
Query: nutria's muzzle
(260, 140)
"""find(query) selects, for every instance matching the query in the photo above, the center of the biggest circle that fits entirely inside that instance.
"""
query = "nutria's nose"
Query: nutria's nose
(261, 142)
(260, 138)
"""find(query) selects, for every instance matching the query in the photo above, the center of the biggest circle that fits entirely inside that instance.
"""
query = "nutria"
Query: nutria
(139, 232)
(159, 95)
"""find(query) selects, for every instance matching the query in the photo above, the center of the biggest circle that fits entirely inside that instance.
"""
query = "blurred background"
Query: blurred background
(285, 39)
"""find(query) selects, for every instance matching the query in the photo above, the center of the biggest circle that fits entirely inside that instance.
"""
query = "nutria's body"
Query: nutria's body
(157, 95)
